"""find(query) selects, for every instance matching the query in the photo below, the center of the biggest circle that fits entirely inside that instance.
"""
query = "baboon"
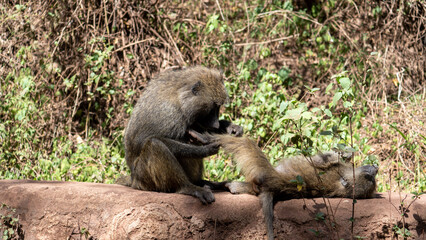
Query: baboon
(159, 149)
(323, 175)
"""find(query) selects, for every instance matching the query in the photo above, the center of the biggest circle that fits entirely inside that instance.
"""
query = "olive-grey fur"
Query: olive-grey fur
(158, 144)
(324, 175)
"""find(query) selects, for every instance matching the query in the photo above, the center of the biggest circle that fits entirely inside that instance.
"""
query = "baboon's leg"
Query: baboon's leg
(267, 202)
(157, 169)
(236, 187)
(213, 185)
(194, 169)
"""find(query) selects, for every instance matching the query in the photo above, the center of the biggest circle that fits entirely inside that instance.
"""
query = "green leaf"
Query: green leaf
(286, 137)
(283, 106)
(319, 216)
(329, 87)
(20, 115)
(277, 124)
(65, 166)
(347, 104)
(250, 126)
(294, 114)
(326, 133)
(319, 39)
(341, 146)
(212, 23)
(265, 52)
(312, 89)
(345, 82)
(337, 97)
(349, 150)
(288, 5)
(399, 131)
(261, 132)
(307, 115)
(328, 112)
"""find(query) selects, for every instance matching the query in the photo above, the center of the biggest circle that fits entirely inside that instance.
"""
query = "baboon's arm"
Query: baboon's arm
(225, 127)
(180, 149)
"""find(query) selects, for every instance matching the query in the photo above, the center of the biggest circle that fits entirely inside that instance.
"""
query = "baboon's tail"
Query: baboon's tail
(257, 170)
(248, 156)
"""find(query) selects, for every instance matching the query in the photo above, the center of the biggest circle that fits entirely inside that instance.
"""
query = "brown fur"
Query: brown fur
(323, 175)
(159, 150)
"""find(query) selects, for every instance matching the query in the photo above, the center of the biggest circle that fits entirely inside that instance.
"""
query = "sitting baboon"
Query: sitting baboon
(159, 150)
(321, 175)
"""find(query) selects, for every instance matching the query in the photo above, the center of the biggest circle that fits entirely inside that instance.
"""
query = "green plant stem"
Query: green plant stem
(353, 185)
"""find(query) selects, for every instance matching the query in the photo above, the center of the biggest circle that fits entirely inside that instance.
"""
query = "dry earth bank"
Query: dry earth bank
(62, 210)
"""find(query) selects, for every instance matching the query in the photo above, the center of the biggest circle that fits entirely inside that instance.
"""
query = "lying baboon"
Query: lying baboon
(322, 174)
(159, 150)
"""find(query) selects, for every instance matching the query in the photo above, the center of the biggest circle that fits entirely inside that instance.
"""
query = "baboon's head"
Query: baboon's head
(365, 181)
(202, 96)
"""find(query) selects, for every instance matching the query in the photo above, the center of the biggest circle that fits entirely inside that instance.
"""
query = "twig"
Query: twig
(60, 37)
(174, 43)
(336, 25)
(63, 29)
(266, 42)
(225, 20)
(220, 10)
(248, 34)
(134, 43)
(106, 17)
(400, 77)
(302, 16)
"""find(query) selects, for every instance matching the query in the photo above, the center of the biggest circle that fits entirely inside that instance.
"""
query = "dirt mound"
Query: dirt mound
(74, 210)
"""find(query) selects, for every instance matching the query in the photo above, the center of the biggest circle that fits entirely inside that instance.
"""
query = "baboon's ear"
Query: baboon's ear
(196, 88)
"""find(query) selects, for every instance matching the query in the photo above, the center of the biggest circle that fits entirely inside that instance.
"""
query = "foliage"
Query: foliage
(301, 79)
(10, 228)
(24, 154)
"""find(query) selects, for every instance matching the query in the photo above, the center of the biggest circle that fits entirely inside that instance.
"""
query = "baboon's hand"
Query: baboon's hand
(202, 138)
(212, 148)
(230, 128)
(235, 130)
(205, 195)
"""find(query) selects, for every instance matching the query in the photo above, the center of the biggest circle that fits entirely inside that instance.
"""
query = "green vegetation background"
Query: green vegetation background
(303, 77)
